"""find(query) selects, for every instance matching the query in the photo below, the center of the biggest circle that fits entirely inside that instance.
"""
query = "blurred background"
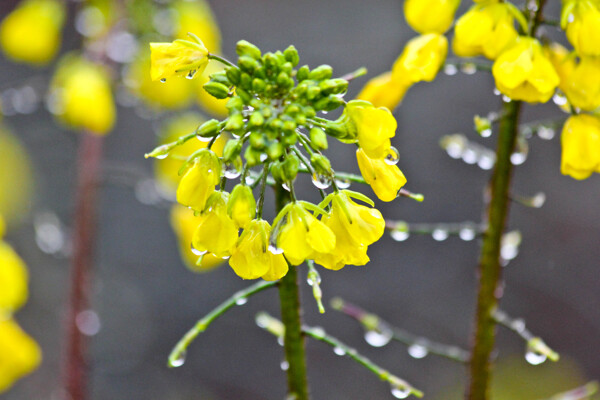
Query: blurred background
(145, 299)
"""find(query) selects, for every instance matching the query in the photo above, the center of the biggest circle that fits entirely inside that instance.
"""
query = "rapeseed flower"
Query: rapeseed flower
(216, 232)
(385, 179)
(179, 58)
(430, 16)
(383, 91)
(13, 280)
(580, 141)
(581, 21)
(582, 87)
(241, 206)
(19, 353)
(200, 180)
(421, 58)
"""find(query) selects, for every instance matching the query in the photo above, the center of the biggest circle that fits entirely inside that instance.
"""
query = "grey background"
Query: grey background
(147, 299)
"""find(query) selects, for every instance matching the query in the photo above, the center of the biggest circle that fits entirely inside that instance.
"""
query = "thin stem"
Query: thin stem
(584, 392)
(353, 75)
(289, 298)
(534, 343)
(273, 326)
(314, 280)
(263, 187)
(176, 356)
(88, 166)
(221, 59)
(375, 323)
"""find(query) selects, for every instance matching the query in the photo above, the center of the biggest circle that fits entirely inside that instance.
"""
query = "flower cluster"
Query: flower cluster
(273, 125)
(19, 353)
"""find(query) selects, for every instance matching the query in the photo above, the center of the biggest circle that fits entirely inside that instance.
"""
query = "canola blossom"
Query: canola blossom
(430, 16)
(179, 58)
(580, 141)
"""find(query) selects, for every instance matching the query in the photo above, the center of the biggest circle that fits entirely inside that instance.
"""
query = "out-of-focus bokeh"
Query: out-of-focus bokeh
(144, 298)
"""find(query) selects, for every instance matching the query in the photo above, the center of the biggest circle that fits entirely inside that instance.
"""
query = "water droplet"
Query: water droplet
(262, 321)
(339, 351)
(392, 157)
(519, 325)
(274, 249)
(486, 132)
(321, 181)
(163, 80)
(378, 338)
(313, 279)
(49, 234)
(467, 233)
(571, 18)
(88, 322)
(468, 68)
(343, 183)
(417, 351)
(450, 69)
(318, 332)
(559, 99)
(399, 235)
(518, 158)
(280, 341)
(486, 161)
(286, 187)
(190, 75)
(241, 301)
(440, 234)
(179, 360)
(146, 192)
(203, 139)
(534, 358)
(233, 169)
(506, 99)
(469, 156)
(497, 92)
(250, 180)
(538, 200)
(196, 251)
(545, 133)
(400, 393)
(510, 245)
(284, 365)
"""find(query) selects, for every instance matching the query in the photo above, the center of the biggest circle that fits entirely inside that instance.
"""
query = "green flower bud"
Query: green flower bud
(257, 140)
(245, 81)
(277, 171)
(275, 150)
(289, 167)
(245, 48)
(232, 150)
(266, 112)
(244, 95)
(287, 68)
(210, 128)
(334, 86)
(291, 55)
(321, 72)
(160, 152)
(282, 78)
(303, 73)
(220, 77)
(289, 138)
(300, 119)
(216, 89)
(318, 138)
(235, 122)
(292, 109)
(313, 92)
(334, 103)
(252, 156)
(248, 64)
(276, 124)
(309, 112)
(256, 119)
(233, 74)
(241, 206)
(271, 62)
(258, 85)
(321, 164)
(289, 126)
(235, 104)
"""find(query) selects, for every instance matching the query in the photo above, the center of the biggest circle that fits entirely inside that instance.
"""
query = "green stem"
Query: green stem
(220, 59)
(263, 187)
(489, 263)
(177, 354)
(290, 316)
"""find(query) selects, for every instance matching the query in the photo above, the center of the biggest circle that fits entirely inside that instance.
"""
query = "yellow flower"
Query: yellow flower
(383, 91)
(196, 16)
(216, 232)
(583, 84)
(430, 16)
(166, 170)
(486, 29)
(563, 61)
(302, 235)
(252, 258)
(580, 141)
(355, 227)
(241, 206)
(179, 58)
(523, 72)
(421, 59)
(16, 187)
(385, 179)
(19, 354)
(32, 32)
(13, 280)
(199, 181)
(184, 224)
(581, 21)
(82, 95)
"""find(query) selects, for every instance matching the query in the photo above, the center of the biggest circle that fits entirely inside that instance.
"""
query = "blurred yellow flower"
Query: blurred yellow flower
(16, 187)
(13, 280)
(421, 59)
(19, 353)
(216, 232)
(32, 32)
(563, 61)
(241, 206)
(486, 29)
(199, 181)
(302, 235)
(355, 227)
(430, 16)
(523, 72)
(82, 95)
(385, 179)
(581, 20)
(580, 141)
(184, 224)
(252, 258)
(166, 170)
(197, 17)
(583, 84)
(179, 58)
(383, 91)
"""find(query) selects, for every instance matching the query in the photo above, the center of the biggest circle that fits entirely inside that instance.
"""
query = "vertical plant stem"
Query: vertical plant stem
(75, 366)
(290, 316)
(489, 263)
